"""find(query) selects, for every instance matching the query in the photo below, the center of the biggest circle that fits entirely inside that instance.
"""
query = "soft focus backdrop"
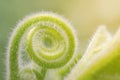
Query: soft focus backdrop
(85, 15)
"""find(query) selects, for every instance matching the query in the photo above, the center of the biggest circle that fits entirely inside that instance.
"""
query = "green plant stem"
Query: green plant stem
(56, 49)
(40, 76)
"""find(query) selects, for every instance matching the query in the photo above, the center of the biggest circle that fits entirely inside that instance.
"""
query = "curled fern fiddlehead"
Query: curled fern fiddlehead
(50, 43)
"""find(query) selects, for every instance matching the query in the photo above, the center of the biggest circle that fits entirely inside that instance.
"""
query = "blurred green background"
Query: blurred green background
(85, 15)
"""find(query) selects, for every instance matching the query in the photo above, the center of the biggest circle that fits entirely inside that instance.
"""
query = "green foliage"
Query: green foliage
(101, 60)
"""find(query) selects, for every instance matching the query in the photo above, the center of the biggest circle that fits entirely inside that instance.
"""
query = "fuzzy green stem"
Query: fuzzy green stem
(56, 47)
(40, 76)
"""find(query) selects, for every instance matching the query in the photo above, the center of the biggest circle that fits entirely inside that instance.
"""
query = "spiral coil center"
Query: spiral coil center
(50, 42)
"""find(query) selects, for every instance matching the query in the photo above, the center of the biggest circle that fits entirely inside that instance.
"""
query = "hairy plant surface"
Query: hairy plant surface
(43, 46)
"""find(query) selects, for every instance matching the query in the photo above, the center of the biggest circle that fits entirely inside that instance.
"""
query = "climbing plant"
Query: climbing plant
(43, 46)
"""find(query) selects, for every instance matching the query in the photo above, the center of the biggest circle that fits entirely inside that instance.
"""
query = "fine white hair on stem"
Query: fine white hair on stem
(62, 29)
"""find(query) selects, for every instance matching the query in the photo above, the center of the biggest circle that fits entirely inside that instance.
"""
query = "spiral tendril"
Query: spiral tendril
(50, 43)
